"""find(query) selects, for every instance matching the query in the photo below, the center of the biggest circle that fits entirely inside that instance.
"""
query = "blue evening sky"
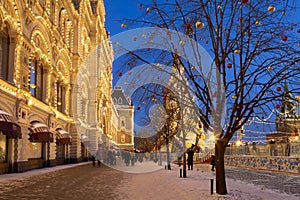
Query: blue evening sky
(116, 10)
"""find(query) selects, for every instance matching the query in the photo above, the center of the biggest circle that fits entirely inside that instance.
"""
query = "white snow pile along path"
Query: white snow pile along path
(166, 184)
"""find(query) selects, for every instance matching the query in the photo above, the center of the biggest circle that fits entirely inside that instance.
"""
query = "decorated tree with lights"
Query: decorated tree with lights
(254, 46)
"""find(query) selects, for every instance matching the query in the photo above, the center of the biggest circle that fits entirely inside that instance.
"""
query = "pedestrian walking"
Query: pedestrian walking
(190, 158)
(94, 161)
(213, 162)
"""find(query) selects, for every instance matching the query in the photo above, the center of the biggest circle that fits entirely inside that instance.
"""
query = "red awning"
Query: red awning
(9, 126)
(63, 137)
(40, 133)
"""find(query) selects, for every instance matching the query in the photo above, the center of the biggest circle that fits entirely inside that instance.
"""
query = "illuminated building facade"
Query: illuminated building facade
(124, 138)
(43, 45)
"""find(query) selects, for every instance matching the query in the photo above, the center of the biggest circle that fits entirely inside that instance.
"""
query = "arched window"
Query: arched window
(123, 122)
(4, 53)
(115, 100)
(60, 96)
(120, 101)
(32, 82)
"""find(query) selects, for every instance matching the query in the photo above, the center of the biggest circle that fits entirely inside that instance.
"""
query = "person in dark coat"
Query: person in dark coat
(213, 162)
(190, 158)
(94, 159)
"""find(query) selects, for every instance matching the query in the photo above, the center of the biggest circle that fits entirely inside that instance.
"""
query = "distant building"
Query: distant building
(287, 120)
(125, 110)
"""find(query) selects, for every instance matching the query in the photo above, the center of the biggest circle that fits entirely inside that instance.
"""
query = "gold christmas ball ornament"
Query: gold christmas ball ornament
(257, 23)
(123, 25)
(236, 51)
(271, 8)
(199, 24)
(234, 97)
(148, 9)
(193, 68)
(219, 7)
(270, 68)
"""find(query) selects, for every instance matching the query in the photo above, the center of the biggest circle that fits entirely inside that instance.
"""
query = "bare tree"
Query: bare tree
(254, 46)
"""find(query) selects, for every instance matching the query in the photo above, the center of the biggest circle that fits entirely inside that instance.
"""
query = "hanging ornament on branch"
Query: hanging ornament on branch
(271, 8)
(199, 25)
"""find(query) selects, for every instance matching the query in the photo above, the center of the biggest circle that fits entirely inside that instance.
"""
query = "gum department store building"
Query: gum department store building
(55, 85)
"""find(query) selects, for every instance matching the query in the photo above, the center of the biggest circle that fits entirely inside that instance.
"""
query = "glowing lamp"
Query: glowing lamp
(229, 65)
(199, 24)
(271, 8)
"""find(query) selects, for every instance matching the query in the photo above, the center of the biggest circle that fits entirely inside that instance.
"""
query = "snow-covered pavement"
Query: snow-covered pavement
(104, 183)
(165, 184)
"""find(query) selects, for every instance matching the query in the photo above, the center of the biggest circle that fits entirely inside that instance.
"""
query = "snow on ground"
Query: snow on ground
(35, 172)
(166, 184)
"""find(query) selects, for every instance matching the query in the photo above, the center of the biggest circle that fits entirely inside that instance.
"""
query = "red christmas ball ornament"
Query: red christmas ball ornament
(134, 39)
(148, 48)
(206, 42)
(200, 39)
(244, 1)
(120, 74)
(277, 106)
(298, 31)
(128, 63)
(141, 6)
(214, 94)
(131, 52)
(138, 108)
(292, 28)
(188, 26)
(229, 65)
(278, 89)
(284, 38)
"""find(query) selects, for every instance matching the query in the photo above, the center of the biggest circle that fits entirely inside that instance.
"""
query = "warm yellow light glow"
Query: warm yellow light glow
(29, 102)
(238, 143)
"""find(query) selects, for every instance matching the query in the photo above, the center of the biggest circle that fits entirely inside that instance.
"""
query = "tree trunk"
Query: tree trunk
(220, 147)
(184, 164)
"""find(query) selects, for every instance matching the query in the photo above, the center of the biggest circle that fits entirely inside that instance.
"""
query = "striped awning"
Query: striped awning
(63, 137)
(40, 132)
(9, 126)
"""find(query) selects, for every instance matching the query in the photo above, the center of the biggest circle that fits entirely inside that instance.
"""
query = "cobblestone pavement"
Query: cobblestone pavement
(80, 182)
(278, 181)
